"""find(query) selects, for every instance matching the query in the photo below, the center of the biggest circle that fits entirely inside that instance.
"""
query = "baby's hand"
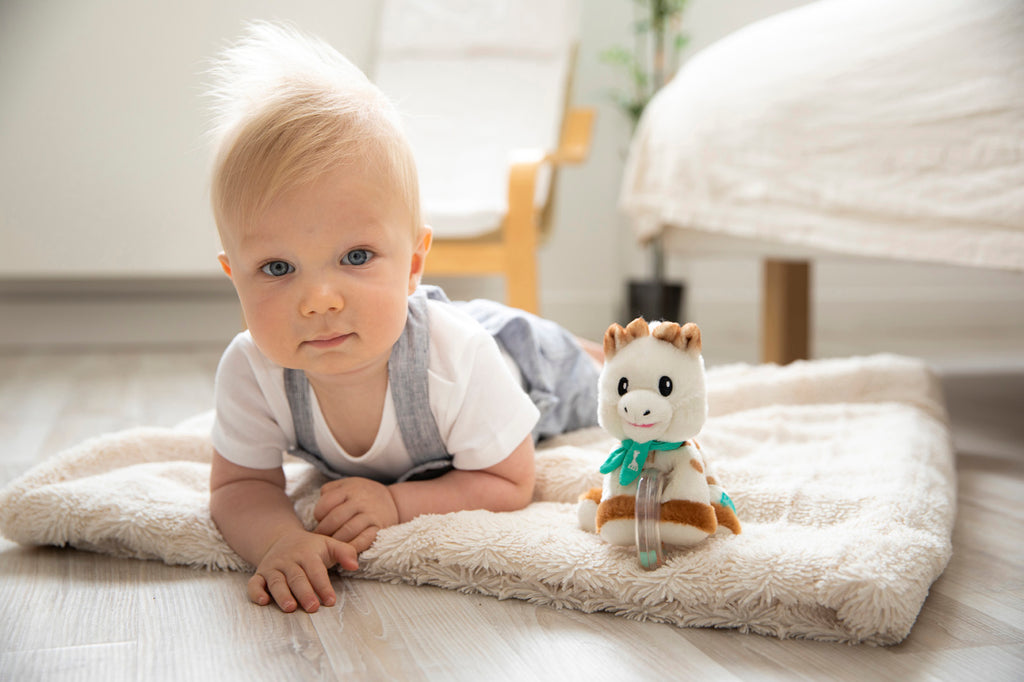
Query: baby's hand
(354, 509)
(294, 571)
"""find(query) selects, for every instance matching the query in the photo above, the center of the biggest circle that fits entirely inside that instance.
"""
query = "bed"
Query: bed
(858, 127)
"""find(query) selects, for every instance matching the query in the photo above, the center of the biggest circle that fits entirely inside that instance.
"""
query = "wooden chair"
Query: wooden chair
(483, 90)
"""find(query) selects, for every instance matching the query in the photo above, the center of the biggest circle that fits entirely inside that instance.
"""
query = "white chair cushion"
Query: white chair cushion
(469, 105)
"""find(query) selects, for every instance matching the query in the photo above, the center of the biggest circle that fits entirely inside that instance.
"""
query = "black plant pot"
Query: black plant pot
(656, 301)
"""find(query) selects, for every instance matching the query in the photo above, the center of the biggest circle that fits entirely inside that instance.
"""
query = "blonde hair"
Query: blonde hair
(288, 108)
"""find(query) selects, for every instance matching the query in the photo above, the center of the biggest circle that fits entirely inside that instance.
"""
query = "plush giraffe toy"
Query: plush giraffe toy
(652, 396)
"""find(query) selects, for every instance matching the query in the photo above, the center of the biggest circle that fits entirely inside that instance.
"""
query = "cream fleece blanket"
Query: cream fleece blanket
(841, 471)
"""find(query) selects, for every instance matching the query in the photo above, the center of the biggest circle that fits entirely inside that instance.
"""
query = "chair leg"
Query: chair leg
(520, 235)
(521, 286)
(785, 323)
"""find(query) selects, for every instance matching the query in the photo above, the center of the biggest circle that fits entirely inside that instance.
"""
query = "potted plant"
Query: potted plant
(658, 43)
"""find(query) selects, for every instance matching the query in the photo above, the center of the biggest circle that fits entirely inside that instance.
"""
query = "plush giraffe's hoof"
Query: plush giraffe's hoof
(586, 510)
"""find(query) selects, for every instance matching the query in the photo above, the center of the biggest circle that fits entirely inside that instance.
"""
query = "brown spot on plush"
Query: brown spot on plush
(697, 466)
(727, 517)
(712, 480)
(616, 508)
(695, 444)
(688, 513)
(594, 495)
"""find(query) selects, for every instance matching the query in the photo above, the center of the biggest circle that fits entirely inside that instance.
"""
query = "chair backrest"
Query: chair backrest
(476, 80)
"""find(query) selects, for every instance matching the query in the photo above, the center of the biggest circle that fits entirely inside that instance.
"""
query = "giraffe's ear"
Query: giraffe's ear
(690, 333)
(686, 337)
(613, 340)
(616, 338)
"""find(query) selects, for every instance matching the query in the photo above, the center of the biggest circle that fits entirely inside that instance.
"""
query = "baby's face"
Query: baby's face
(323, 275)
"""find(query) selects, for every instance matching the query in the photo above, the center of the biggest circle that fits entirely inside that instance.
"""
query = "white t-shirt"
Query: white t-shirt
(482, 412)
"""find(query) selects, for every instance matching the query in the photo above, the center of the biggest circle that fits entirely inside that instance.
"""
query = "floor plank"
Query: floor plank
(116, 662)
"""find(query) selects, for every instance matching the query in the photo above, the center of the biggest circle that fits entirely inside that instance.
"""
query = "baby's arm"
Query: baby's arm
(354, 509)
(506, 486)
(258, 521)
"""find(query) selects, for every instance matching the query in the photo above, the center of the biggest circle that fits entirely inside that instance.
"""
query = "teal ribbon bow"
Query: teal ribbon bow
(631, 456)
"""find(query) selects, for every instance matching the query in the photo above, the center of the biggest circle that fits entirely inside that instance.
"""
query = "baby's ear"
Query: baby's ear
(424, 238)
(224, 265)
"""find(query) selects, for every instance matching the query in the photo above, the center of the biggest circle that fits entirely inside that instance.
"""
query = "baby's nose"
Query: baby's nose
(322, 297)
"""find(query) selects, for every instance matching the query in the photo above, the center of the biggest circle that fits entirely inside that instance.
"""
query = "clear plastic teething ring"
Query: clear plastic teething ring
(648, 516)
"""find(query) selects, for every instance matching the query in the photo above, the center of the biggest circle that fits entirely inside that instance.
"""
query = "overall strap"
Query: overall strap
(296, 388)
(408, 380)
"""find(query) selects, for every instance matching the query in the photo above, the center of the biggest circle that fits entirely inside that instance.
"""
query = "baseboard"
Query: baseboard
(118, 313)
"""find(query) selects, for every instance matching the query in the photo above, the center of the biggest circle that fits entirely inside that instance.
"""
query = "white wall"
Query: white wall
(104, 165)
(106, 235)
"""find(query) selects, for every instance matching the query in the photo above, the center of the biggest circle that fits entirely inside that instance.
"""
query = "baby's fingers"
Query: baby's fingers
(292, 589)
(364, 540)
(262, 588)
(320, 582)
(332, 494)
(334, 520)
(343, 554)
(257, 589)
(353, 526)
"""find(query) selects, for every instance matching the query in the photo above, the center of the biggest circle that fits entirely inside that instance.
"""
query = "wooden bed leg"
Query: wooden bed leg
(785, 322)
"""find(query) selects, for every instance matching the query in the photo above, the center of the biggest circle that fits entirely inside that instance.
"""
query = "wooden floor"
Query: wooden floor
(69, 615)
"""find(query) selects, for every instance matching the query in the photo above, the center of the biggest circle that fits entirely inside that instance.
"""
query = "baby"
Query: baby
(411, 404)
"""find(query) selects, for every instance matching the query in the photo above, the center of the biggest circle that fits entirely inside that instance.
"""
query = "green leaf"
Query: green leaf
(654, 22)
(618, 56)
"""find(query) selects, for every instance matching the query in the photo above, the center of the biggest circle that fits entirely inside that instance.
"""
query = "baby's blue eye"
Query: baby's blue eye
(278, 268)
(357, 257)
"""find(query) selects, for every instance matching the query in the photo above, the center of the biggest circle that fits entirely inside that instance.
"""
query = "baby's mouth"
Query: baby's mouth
(328, 341)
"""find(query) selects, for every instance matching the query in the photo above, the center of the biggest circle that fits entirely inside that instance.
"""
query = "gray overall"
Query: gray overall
(560, 378)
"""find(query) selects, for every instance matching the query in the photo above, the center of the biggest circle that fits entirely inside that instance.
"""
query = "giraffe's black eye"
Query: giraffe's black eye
(623, 385)
(665, 386)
